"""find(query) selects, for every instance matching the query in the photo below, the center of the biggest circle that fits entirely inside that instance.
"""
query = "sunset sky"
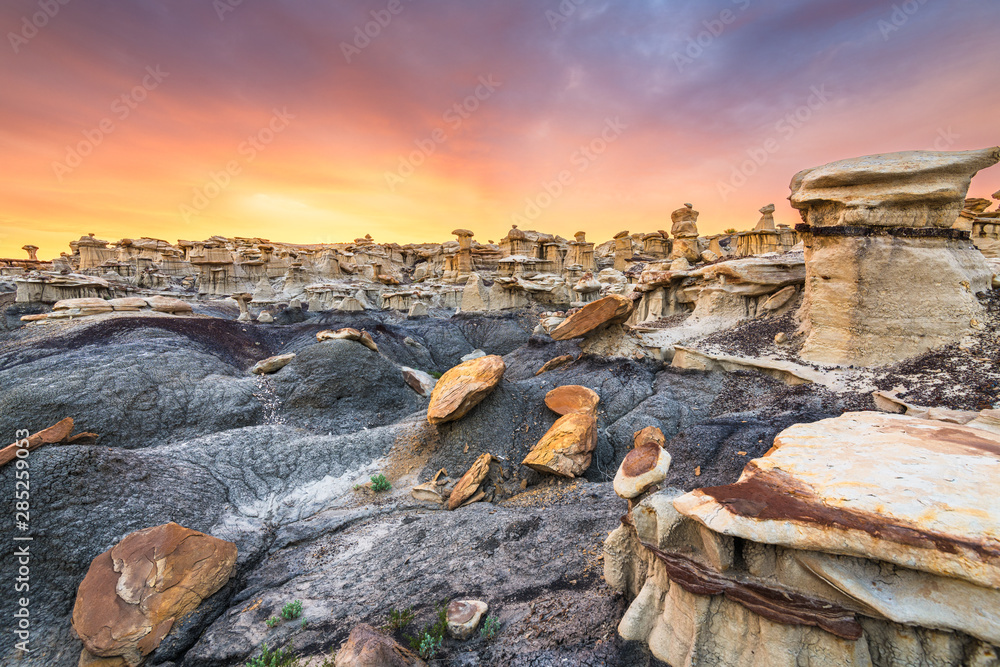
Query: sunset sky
(283, 119)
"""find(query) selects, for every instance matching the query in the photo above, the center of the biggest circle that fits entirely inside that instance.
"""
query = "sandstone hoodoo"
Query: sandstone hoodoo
(595, 316)
(643, 467)
(464, 387)
(137, 591)
(851, 537)
(887, 275)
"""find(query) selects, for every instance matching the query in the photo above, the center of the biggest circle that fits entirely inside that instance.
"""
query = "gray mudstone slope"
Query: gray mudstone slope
(187, 435)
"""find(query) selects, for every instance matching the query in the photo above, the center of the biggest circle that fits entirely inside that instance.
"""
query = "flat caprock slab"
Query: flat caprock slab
(917, 493)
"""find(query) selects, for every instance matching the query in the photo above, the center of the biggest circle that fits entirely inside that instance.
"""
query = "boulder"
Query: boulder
(779, 298)
(272, 364)
(571, 399)
(348, 333)
(265, 317)
(82, 307)
(367, 647)
(464, 617)
(167, 304)
(463, 387)
(418, 309)
(134, 593)
(646, 465)
(129, 303)
(468, 484)
(595, 316)
(551, 364)
(475, 354)
(566, 448)
(419, 381)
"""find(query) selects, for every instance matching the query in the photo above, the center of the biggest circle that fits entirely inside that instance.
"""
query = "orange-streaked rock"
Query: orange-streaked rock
(463, 387)
(566, 448)
(595, 316)
(135, 592)
(349, 333)
(367, 647)
(572, 398)
(467, 486)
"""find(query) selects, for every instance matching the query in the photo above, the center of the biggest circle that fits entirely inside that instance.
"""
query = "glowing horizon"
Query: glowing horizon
(281, 122)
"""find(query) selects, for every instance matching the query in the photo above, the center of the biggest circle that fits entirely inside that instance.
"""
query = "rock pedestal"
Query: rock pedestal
(887, 278)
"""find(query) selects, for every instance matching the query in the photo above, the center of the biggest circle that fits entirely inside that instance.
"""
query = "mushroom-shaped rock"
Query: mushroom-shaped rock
(463, 387)
(566, 448)
(349, 333)
(467, 486)
(167, 304)
(367, 647)
(464, 617)
(272, 364)
(135, 592)
(644, 466)
(572, 399)
(595, 316)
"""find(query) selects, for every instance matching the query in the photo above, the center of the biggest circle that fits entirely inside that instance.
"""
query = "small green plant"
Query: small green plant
(434, 630)
(380, 483)
(398, 619)
(291, 610)
(273, 621)
(490, 629)
(435, 375)
(273, 658)
(429, 646)
(730, 231)
(304, 623)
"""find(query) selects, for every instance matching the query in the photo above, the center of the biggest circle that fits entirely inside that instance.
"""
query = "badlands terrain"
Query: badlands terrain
(779, 446)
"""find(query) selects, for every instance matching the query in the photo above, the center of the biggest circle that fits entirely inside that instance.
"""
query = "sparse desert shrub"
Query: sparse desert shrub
(273, 658)
(435, 375)
(291, 610)
(434, 631)
(490, 629)
(380, 483)
(730, 231)
(273, 621)
(429, 646)
(398, 619)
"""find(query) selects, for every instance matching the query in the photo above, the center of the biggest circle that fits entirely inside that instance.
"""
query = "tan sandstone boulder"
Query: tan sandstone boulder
(367, 647)
(135, 592)
(167, 304)
(595, 316)
(463, 387)
(349, 333)
(467, 486)
(272, 364)
(464, 617)
(571, 399)
(566, 448)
